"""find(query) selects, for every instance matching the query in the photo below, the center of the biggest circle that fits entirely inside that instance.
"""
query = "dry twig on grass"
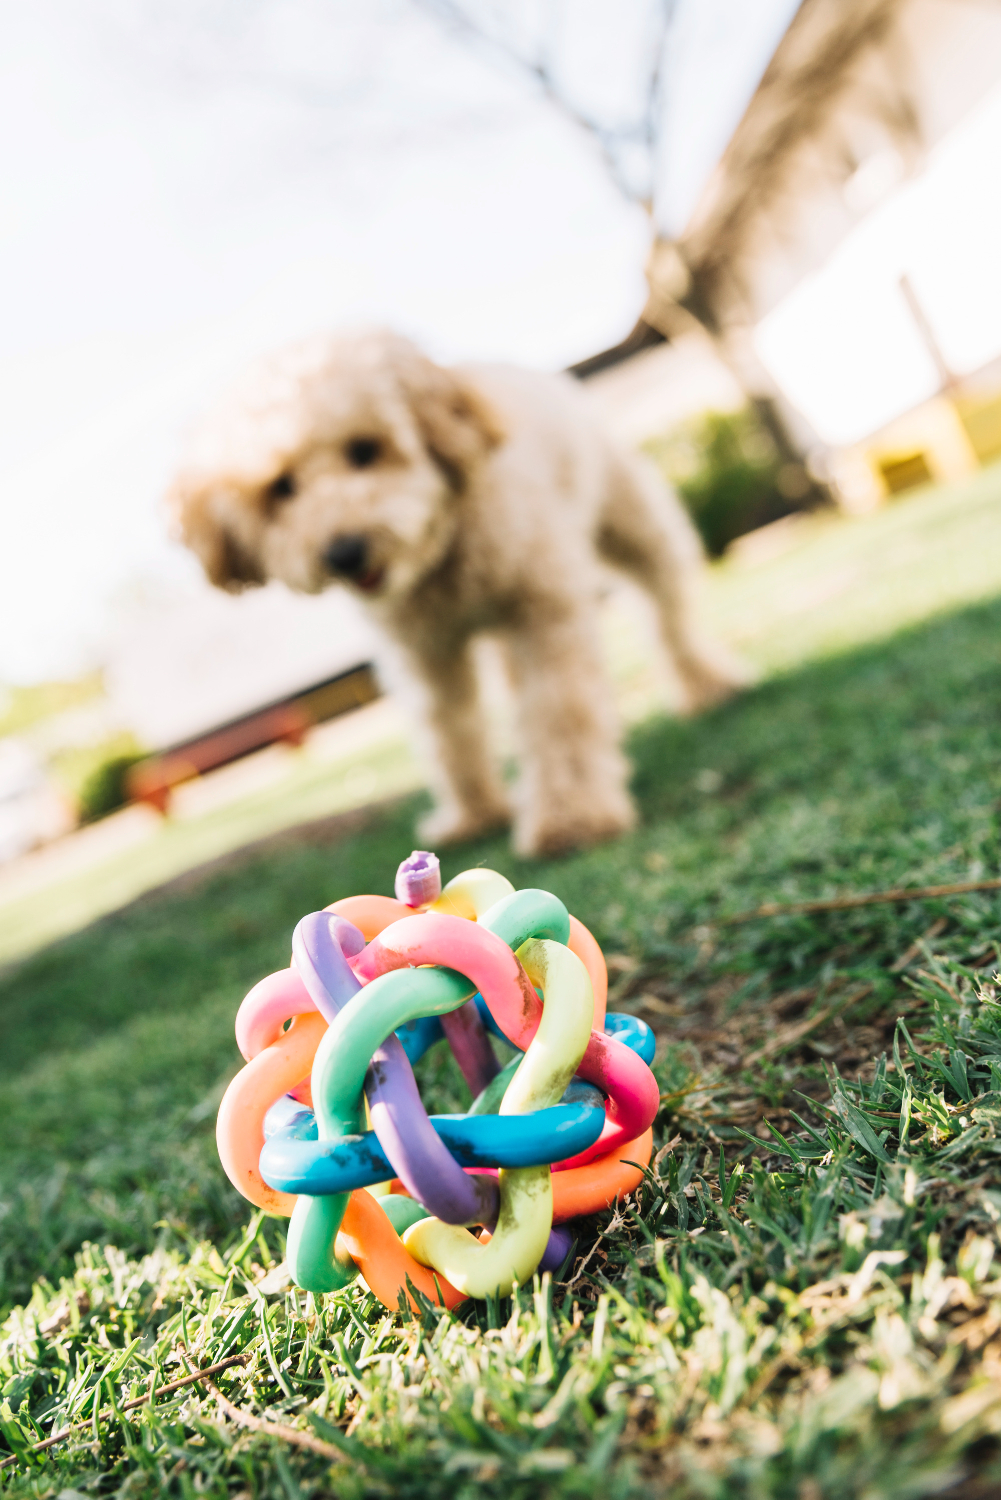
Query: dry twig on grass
(273, 1429)
(914, 951)
(788, 1036)
(107, 1412)
(848, 903)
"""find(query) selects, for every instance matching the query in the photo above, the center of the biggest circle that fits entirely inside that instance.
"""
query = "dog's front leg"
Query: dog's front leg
(468, 796)
(572, 789)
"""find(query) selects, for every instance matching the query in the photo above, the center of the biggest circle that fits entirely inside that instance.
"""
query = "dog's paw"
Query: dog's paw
(554, 835)
(443, 826)
(714, 682)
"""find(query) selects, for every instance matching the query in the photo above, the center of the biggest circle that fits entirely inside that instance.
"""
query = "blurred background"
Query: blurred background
(763, 234)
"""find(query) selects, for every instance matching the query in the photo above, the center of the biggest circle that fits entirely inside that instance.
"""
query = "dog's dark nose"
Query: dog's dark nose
(348, 556)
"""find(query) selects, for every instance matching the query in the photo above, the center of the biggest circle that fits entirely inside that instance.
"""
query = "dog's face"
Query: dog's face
(337, 461)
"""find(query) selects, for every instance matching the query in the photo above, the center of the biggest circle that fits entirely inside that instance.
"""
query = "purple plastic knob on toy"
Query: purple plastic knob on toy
(418, 880)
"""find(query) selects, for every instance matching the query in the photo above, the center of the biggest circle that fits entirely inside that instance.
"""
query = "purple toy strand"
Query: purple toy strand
(467, 1037)
(321, 946)
(418, 879)
(423, 1162)
(420, 1158)
(557, 1249)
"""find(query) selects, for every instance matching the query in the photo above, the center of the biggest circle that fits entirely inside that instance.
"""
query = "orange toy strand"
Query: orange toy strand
(383, 1259)
(240, 1124)
(370, 914)
(589, 1189)
(587, 950)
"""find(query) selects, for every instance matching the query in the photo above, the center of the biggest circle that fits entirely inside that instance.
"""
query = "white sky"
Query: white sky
(188, 184)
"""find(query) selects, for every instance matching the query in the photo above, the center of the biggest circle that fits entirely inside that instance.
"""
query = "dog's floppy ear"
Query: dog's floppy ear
(198, 524)
(458, 424)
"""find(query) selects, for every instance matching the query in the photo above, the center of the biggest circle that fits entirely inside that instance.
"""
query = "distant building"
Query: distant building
(647, 393)
(855, 98)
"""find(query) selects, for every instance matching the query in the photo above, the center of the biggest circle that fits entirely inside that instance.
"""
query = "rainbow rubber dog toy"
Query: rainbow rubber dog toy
(329, 1107)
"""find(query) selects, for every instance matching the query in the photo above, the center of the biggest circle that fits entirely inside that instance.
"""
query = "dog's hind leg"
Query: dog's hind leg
(442, 687)
(644, 531)
(572, 788)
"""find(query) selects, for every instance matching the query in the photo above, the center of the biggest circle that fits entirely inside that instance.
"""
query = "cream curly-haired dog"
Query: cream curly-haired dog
(456, 502)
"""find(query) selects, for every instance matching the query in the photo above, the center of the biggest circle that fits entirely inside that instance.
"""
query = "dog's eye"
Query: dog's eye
(282, 488)
(362, 452)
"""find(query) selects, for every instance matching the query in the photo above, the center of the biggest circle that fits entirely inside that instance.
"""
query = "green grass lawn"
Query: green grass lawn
(800, 1303)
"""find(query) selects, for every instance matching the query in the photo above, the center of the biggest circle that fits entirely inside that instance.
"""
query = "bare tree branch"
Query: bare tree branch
(616, 143)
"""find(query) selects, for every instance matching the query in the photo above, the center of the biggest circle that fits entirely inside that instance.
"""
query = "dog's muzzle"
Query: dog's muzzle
(350, 557)
(347, 556)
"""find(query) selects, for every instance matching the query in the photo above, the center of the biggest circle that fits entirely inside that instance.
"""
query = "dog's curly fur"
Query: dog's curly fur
(457, 502)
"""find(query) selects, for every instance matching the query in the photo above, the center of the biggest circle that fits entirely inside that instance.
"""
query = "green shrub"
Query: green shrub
(103, 790)
(725, 467)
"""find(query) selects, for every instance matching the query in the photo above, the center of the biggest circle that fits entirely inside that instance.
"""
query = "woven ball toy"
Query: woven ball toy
(325, 1123)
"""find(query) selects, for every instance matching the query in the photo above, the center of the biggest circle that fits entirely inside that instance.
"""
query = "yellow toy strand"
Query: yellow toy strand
(472, 893)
